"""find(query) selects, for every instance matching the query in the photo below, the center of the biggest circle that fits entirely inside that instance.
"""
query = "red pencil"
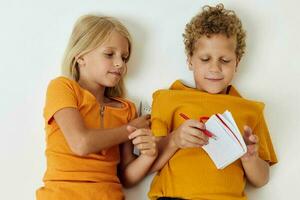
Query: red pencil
(205, 132)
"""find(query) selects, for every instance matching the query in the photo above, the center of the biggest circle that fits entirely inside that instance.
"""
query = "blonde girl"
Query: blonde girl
(90, 126)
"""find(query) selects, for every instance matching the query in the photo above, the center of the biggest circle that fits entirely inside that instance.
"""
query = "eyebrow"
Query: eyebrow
(114, 48)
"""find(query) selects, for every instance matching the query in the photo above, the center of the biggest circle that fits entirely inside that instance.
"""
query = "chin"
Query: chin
(214, 90)
(109, 83)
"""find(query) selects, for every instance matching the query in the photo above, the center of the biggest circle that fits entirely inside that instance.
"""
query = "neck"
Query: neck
(94, 88)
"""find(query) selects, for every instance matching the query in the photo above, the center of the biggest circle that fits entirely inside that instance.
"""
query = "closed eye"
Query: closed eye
(225, 61)
(204, 59)
(108, 54)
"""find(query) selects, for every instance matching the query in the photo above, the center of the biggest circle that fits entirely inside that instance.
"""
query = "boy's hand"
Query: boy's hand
(144, 141)
(251, 141)
(141, 122)
(187, 135)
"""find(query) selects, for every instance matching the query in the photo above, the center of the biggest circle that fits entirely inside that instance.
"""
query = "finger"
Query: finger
(139, 139)
(195, 141)
(252, 149)
(247, 131)
(200, 127)
(146, 139)
(149, 152)
(196, 133)
(145, 146)
(247, 134)
(134, 134)
(131, 129)
(138, 133)
(143, 139)
(188, 144)
(195, 124)
(146, 116)
(253, 139)
(148, 123)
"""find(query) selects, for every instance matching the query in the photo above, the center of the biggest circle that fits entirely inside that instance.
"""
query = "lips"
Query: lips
(115, 73)
(214, 79)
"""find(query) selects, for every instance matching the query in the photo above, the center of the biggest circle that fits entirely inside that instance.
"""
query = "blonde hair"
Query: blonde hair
(89, 32)
(215, 20)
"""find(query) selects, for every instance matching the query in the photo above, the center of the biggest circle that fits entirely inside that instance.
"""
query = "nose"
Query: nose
(215, 67)
(118, 63)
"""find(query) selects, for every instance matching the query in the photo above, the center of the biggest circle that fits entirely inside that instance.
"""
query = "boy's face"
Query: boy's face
(214, 63)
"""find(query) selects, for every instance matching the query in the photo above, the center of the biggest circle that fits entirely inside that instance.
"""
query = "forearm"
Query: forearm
(166, 149)
(95, 140)
(256, 170)
(136, 170)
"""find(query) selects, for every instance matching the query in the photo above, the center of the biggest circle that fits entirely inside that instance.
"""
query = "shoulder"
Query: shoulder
(63, 84)
(163, 93)
(64, 89)
(62, 80)
(235, 93)
(169, 95)
(161, 98)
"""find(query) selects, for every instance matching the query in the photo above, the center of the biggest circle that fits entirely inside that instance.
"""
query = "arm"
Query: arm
(83, 140)
(132, 168)
(256, 169)
(185, 136)
(166, 148)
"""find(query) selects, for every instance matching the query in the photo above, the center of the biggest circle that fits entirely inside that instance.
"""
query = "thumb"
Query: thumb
(147, 116)
(130, 128)
(247, 134)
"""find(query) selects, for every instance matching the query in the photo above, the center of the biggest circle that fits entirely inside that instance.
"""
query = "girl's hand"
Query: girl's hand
(251, 141)
(141, 122)
(144, 141)
(187, 135)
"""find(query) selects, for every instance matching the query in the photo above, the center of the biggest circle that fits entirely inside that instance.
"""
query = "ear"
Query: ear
(80, 61)
(237, 64)
(189, 61)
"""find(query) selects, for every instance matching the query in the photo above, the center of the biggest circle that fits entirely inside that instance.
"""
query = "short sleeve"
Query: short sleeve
(266, 149)
(132, 111)
(60, 94)
(160, 115)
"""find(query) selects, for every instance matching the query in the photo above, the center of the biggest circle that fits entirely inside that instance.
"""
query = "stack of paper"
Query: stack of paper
(229, 144)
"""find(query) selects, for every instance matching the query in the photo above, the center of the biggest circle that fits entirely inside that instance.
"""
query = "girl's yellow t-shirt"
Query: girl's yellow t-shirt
(69, 176)
(190, 173)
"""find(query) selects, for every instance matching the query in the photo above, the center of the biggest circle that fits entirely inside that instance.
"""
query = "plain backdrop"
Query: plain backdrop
(34, 35)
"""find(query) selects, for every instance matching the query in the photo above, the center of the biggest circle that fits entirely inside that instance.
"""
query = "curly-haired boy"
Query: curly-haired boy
(214, 43)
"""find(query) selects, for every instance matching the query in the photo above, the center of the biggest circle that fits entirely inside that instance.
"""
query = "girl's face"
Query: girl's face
(214, 63)
(105, 65)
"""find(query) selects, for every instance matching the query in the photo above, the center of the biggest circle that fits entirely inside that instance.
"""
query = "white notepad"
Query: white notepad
(144, 109)
(229, 145)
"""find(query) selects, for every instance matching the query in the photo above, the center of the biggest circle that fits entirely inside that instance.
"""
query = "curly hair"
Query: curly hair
(214, 20)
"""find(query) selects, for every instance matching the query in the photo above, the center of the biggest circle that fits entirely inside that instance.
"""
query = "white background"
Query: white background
(33, 37)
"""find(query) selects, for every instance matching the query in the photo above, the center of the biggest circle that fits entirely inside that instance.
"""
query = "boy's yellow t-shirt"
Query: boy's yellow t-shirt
(69, 176)
(190, 173)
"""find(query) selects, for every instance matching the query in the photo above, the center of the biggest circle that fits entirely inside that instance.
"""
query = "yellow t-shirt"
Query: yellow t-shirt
(190, 173)
(69, 176)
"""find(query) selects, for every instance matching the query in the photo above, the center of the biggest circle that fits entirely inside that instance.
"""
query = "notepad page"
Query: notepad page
(224, 150)
(229, 131)
(232, 125)
(228, 116)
